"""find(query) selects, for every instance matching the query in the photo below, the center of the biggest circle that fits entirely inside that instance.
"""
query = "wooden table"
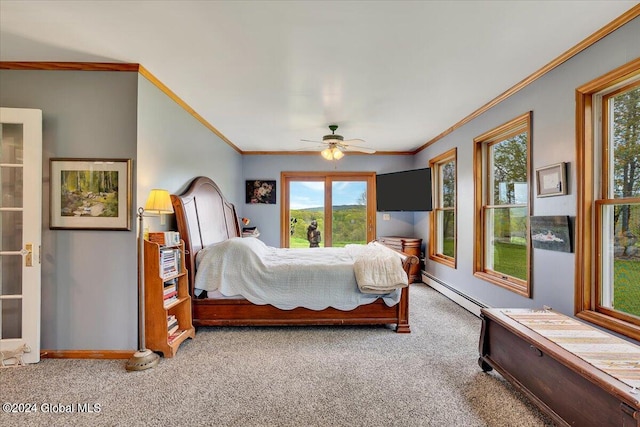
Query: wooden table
(570, 390)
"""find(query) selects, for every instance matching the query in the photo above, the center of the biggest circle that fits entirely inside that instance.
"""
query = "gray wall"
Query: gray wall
(552, 100)
(89, 278)
(267, 217)
(174, 147)
(89, 293)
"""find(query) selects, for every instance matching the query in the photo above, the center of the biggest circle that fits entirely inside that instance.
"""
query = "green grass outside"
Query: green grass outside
(296, 242)
(626, 292)
(510, 259)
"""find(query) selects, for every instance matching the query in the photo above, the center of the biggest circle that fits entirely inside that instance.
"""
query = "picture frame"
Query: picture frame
(551, 180)
(552, 233)
(90, 194)
(261, 191)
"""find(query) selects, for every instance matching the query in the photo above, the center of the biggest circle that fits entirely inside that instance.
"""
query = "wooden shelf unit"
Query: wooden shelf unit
(156, 313)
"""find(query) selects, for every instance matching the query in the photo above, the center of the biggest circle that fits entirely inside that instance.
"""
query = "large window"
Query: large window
(502, 205)
(442, 242)
(324, 209)
(608, 224)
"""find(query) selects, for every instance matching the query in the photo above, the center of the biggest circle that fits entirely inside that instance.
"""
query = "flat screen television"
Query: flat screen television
(404, 191)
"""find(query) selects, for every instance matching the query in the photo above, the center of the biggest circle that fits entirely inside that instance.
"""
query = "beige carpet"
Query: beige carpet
(287, 376)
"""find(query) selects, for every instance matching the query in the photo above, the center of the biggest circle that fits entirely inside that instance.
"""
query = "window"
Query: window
(502, 205)
(442, 244)
(608, 221)
(327, 209)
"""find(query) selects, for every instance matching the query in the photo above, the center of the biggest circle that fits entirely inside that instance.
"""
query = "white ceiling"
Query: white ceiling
(269, 73)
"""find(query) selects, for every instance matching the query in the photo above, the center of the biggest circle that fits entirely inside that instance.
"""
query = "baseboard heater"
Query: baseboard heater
(453, 294)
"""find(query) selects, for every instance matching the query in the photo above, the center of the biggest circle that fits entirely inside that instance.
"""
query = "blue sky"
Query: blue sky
(310, 194)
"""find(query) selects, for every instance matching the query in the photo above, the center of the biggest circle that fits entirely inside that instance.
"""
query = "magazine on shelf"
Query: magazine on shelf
(174, 335)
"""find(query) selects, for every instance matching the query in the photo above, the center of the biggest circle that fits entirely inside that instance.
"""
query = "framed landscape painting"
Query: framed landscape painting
(90, 194)
(552, 233)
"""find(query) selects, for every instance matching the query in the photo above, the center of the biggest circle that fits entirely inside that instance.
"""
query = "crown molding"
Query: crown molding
(623, 19)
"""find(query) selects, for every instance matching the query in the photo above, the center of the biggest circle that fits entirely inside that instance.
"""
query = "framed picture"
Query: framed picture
(261, 191)
(90, 194)
(552, 233)
(551, 180)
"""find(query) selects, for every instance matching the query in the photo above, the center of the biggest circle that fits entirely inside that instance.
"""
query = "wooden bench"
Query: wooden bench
(595, 384)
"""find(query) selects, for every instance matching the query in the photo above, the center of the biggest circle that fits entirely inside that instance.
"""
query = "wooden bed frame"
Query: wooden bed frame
(205, 217)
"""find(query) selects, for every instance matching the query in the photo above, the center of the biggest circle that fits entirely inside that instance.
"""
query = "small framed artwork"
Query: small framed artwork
(552, 233)
(551, 180)
(261, 191)
(90, 194)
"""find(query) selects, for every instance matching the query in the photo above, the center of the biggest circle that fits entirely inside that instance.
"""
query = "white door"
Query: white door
(20, 230)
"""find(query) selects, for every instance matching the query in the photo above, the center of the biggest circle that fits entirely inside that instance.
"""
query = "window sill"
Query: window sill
(520, 287)
(611, 323)
(449, 262)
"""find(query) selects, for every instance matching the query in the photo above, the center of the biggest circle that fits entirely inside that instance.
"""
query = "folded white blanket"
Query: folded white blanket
(378, 270)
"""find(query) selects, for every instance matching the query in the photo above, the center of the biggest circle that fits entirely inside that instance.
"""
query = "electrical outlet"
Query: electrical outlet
(386, 217)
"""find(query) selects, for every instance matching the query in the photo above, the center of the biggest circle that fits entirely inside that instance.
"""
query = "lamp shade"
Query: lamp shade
(332, 153)
(159, 202)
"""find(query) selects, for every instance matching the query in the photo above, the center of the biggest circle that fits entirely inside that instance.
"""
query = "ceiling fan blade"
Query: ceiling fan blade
(310, 140)
(356, 141)
(359, 149)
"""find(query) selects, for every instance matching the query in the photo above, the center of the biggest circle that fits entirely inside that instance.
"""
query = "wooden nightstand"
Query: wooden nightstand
(409, 246)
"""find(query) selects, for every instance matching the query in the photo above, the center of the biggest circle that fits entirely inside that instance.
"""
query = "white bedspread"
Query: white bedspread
(315, 278)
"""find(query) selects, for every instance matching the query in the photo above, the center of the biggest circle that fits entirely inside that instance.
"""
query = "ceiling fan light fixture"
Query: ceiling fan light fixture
(332, 153)
(327, 154)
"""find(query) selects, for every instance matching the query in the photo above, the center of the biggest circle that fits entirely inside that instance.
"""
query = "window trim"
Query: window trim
(436, 164)
(481, 189)
(328, 178)
(587, 268)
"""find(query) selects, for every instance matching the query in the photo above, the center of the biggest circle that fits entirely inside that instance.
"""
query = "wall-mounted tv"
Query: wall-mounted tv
(404, 191)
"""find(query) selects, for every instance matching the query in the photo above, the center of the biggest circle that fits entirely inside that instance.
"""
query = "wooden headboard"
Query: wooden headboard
(204, 217)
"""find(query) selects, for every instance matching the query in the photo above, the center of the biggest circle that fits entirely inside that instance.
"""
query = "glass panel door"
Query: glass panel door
(349, 213)
(20, 230)
(11, 141)
(306, 214)
(323, 209)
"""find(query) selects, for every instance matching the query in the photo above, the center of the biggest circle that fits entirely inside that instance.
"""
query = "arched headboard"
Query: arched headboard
(204, 217)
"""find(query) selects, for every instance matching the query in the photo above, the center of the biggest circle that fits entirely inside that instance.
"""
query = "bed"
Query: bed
(205, 218)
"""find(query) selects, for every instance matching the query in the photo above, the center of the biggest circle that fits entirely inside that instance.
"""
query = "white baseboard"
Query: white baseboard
(454, 295)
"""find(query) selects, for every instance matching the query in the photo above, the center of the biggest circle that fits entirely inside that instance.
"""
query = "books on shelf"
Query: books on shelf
(165, 238)
(173, 329)
(170, 300)
(172, 337)
(172, 324)
(169, 262)
(170, 294)
(250, 232)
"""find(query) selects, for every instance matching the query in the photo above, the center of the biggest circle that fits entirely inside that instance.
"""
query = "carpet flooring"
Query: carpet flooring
(286, 376)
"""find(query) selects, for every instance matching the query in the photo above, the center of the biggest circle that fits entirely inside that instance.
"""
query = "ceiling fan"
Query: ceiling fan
(337, 145)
